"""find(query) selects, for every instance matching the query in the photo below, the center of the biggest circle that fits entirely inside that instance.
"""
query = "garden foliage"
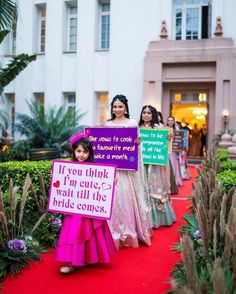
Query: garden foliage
(47, 127)
(28, 194)
(17, 246)
(39, 171)
(208, 243)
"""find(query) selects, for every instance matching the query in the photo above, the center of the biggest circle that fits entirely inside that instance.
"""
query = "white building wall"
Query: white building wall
(85, 58)
(228, 17)
(133, 24)
(53, 69)
(69, 72)
(24, 44)
(101, 71)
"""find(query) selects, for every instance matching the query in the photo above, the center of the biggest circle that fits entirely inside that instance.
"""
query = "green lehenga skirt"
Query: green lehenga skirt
(161, 210)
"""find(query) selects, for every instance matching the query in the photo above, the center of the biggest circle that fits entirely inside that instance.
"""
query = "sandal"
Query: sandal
(67, 269)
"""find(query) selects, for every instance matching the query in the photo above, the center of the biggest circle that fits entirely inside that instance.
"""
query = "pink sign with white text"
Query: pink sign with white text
(82, 188)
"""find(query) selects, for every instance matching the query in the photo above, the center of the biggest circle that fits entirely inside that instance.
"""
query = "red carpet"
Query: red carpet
(132, 270)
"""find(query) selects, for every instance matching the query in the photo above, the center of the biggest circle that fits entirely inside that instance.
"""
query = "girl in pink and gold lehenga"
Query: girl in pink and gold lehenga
(130, 222)
(83, 240)
(174, 161)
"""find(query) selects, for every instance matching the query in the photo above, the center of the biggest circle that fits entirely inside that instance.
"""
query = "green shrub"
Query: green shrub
(17, 151)
(228, 179)
(222, 154)
(19, 170)
(228, 165)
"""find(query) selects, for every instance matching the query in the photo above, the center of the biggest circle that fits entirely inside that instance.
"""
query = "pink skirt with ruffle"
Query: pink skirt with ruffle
(84, 240)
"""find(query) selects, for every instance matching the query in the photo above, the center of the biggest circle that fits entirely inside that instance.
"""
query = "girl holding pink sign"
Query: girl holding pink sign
(130, 222)
(83, 240)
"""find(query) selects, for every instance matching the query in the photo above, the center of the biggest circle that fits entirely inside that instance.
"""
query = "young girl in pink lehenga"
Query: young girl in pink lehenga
(83, 240)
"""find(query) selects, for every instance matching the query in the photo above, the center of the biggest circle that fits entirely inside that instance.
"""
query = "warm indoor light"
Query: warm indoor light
(200, 111)
(202, 97)
(178, 97)
(200, 117)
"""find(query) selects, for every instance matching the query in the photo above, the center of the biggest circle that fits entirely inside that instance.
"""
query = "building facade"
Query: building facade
(178, 55)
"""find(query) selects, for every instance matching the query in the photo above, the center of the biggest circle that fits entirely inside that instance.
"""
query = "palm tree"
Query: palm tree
(8, 12)
(13, 68)
(46, 128)
(4, 122)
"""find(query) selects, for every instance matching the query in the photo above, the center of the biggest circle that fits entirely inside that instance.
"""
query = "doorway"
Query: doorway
(191, 110)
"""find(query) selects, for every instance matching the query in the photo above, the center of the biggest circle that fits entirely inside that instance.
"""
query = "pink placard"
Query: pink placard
(82, 188)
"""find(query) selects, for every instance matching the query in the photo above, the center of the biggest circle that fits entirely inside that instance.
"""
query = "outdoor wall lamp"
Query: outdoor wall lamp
(225, 114)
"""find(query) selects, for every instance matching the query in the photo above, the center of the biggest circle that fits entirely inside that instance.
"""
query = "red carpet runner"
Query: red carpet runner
(132, 270)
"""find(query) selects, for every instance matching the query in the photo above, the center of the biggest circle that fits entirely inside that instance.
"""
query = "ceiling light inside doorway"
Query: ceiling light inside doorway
(199, 111)
(200, 117)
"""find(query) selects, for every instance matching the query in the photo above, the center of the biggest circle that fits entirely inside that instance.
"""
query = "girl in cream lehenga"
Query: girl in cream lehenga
(130, 222)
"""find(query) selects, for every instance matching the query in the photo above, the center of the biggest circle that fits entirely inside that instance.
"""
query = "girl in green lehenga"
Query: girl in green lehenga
(157, 176)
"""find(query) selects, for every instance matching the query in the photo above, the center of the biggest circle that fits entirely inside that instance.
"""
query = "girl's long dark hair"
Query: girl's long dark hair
(122, 99)
(154, 115)
(85, 143)
(159, 118)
